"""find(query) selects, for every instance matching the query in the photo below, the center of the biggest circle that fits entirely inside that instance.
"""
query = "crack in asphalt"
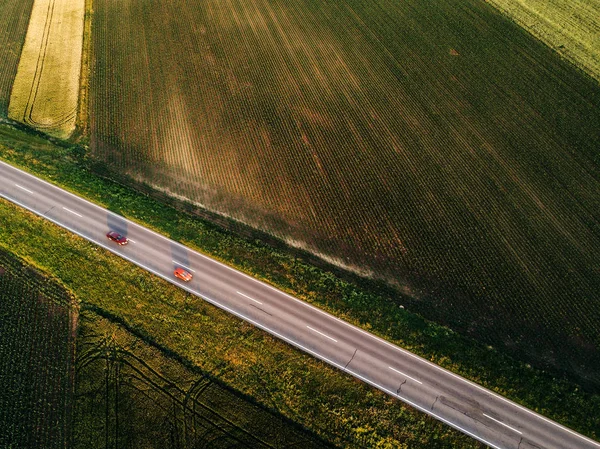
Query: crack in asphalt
(351, 358)
(262, 310)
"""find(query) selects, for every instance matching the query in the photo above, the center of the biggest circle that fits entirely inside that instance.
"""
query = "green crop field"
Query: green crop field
(436, 145)
(14, 17)
(36, 358)
(571, 27)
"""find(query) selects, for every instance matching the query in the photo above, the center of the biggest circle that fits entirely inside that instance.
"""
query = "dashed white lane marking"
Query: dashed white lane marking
(182, 265)
(73, 212)
(321, 333)
(23, 188)
(406, 375)
(132, 241)
(251, 299)
(505, 425)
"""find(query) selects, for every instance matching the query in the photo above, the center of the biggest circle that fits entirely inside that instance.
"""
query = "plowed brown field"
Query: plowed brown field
(435, 144)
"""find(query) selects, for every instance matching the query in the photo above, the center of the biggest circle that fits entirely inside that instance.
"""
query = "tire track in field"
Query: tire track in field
(39, 67)
(46, 89)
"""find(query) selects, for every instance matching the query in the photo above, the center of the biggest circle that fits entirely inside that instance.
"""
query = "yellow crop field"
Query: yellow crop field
(46, 88)
(14, 17)
(571, 27)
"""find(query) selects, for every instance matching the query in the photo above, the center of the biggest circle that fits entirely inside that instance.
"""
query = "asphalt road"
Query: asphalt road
(468, 407)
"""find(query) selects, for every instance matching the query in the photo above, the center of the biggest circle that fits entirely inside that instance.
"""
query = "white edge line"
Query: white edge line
(531, 412)
(246, 296)
(23, 188)
(73, 212)
(182, 265)
(405, 375)
(321, 333)
(505, 425)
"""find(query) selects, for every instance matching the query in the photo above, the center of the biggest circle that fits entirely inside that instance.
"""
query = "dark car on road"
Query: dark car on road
(117, 238)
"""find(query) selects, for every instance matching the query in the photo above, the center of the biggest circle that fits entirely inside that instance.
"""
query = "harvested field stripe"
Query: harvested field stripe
(46, 89)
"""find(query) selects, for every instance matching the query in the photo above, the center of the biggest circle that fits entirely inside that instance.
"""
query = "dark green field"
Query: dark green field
(14, 17)
(36, 359)
(434, 144)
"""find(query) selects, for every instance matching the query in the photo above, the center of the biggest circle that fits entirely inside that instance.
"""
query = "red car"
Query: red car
(183, 274)
(117, 238)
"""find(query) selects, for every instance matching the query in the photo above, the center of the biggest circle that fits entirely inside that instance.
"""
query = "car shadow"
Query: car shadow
(179, 256)
(117, 223)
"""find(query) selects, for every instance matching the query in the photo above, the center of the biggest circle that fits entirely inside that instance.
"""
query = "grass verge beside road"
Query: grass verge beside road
(300, 387)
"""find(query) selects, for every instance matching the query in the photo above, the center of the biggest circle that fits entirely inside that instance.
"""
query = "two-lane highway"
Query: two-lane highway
(468, 407)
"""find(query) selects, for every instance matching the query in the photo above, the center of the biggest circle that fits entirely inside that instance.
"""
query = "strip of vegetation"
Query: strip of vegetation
(173, 319)
(37, 323)
(14, 17)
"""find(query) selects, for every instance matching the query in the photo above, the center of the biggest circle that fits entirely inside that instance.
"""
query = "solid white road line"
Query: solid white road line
(505, 425)
(73, 212)
(23, 188)
(246, 296)
(321, 333)
(406, 375)
(182, 265)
